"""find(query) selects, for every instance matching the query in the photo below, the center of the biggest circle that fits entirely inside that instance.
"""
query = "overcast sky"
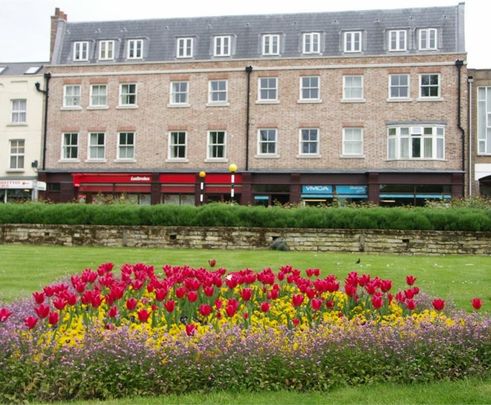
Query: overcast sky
(24, 24)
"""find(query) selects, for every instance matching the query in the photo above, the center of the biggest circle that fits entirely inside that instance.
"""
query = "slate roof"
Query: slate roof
(19, 69)
(160, 35)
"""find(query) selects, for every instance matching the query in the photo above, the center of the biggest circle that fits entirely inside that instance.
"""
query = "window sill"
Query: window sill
(429, 99)
(267, 102)
(266, 156)
(71, 108)
(177, 160)
(225, 104)
(307, 156)
(483, 154)
(183, 105)
(354, 100)
(69, 161)
(96, 161)
(14, 171)
(307, 101)
(102, 107)
(216, 160)
(399, 100)
(416, 160)
(352, 156)
(21, 124)
(127, 107)
(124, 160)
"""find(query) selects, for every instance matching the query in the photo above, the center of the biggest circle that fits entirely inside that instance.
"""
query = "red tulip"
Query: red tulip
(410, 304)
(410, 280)
(330, 304)
(409, 293)
(131, 303)
(350, 289)
(209, 290)
(316, 304)
(143, 315)
(205, 309)
(180, 292)
(42, 311)
(265, 306)
(273, 294)
(30, 322)
(113, 312)
(38, 297)
(377, 301)
(53, 318)
(386, 285)
(160, 294)
(438, 304)
(192, 296)
(245, 315)
(231, 307)
(170, 305)
(71, 299)
(246, 294)
(4, 314)
(476, 303)
(297, 300)
(295, 321)
(190, 329)
(59, 303)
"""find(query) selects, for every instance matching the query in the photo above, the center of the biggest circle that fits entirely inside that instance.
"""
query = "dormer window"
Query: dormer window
(397, 40)
(428, 39)
(184, 47)
(135, 49)
(106, 50)
(311, 42)
(81, 51)
(222, 45)
(271, 44)
(352, 41)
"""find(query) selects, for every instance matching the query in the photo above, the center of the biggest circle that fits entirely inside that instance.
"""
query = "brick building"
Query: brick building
(312, 107)
(21, 123)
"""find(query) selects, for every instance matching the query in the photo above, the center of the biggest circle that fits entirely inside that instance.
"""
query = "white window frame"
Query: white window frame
(106, 50)
(309, 40)
(135, 49)
(17, 155)
(19, 111)
(310, 88)
(405, 138)
(484, 120)
(211, 92)
(209, 146)
(268, 89)
(172, 145)
(127, 146)
(400, 43)
(390, 85)
(439, 86)
(65, 147)
(173, 94)
(427, 46)
(91, 99)
(184, 47)
(352, 40)
(81, 51)
(103, 146)
(125, 95)
(269, 47)
(74, 99)
(345, 88)
(274, 142)
(302, 141)
(222, 45)
(345, 141)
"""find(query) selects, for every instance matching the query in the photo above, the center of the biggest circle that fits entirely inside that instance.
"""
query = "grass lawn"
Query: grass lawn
(24, 269)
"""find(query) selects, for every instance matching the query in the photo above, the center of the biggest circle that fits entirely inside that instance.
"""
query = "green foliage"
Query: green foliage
(212, 215)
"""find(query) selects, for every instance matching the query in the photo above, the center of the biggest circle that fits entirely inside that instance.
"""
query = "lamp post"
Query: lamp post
(232, 169)
(202, 175)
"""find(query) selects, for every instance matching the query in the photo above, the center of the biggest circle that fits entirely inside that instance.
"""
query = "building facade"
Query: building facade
(479, 167)
(350, 106)
(21, 123)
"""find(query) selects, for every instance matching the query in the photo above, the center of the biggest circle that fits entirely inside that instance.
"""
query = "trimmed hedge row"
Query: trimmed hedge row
(211, 215)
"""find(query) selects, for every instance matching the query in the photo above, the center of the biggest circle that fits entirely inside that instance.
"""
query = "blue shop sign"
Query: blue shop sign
(351, 190)
(322, 191)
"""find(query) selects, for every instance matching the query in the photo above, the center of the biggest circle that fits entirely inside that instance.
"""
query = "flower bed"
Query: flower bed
(100, 335)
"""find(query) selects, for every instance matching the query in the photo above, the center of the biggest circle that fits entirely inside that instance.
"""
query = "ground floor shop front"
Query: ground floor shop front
(253, 188)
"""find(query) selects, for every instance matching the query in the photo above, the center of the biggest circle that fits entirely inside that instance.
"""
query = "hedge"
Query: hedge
(211, 215)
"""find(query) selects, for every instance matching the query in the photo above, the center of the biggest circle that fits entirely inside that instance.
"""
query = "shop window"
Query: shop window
(178, 199)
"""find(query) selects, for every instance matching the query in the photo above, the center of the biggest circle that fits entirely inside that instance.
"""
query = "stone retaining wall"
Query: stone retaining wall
(324, 240)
